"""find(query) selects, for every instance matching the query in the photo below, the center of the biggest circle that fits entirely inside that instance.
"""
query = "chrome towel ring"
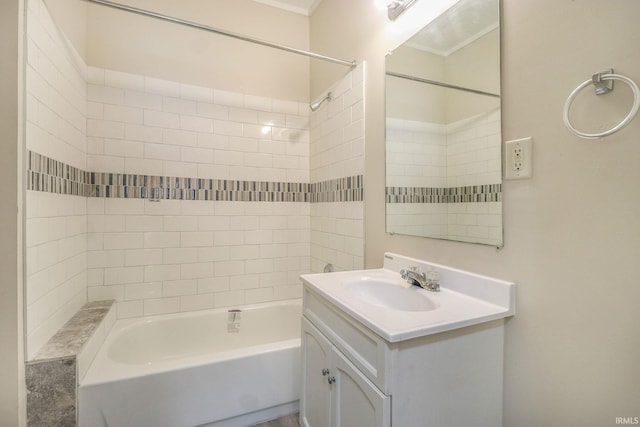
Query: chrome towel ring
(603, 83)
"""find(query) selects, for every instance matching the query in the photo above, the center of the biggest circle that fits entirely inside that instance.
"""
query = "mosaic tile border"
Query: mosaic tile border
(52, 176)
(347, 189)
(468, 194)
(130, 186)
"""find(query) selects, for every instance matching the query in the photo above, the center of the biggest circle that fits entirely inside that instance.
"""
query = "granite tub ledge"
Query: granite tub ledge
(54, 374)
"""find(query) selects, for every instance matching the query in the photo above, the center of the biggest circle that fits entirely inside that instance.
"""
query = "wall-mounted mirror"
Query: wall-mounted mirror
(443, 139)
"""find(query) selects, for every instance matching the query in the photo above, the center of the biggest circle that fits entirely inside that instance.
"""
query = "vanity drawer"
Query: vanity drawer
(369, 352)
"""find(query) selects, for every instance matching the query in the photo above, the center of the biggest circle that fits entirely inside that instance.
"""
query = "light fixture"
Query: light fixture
(395, 8)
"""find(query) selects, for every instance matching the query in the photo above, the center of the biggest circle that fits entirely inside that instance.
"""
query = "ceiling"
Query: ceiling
(303, 7)
(463, 23)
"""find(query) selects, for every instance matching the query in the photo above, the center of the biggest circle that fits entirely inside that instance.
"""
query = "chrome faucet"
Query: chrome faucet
(428, 281)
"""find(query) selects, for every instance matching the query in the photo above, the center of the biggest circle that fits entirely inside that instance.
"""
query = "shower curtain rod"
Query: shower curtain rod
(433, 82)
(144, 12)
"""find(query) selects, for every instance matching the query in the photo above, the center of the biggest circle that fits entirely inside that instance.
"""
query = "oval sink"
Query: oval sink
(390, 295)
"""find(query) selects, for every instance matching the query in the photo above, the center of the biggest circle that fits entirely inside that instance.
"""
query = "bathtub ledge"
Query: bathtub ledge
(54, 374)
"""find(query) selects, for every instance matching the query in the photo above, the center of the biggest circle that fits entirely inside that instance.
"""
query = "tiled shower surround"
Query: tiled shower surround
(166, 244)
(444, 180)
(49, 175)
(171, 197)
(337, 150)
(56, 224)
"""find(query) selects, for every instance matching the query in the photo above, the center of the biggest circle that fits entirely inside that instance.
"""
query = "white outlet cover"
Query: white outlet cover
(524, 170)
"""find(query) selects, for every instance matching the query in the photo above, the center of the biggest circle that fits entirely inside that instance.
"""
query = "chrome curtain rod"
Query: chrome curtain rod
(119, 6)
(433, 82)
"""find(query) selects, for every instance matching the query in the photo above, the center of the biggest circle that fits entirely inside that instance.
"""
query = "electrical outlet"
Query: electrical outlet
(518, 159)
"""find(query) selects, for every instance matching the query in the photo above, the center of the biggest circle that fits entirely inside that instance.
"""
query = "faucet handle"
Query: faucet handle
(409, 273)
(432, 276)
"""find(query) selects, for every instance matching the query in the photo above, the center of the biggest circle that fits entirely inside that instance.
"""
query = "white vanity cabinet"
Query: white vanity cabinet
(352, 377)
(316, 358)
(336, 393)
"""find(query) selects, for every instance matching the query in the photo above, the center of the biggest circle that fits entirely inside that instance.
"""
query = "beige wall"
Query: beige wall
(572, 235)
(476, 66)
(71, 17)
(12, 393)
(141, 45)
(412, 100)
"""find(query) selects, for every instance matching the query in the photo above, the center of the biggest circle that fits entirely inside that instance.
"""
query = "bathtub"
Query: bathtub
(214, 368)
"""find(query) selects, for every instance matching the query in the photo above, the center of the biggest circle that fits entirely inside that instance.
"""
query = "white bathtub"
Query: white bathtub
(192, 369)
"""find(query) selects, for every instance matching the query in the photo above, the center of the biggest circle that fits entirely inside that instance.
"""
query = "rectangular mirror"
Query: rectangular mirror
(443, 128)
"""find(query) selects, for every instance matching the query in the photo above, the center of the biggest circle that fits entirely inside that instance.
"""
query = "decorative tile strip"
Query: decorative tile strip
(468, 194)
(416, 195)
(347, 189)
(475, 194)
(49, 175)
(176, 188)
(52, 176)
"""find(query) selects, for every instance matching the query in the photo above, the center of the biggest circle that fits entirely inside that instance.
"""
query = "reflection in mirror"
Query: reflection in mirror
(443, 139)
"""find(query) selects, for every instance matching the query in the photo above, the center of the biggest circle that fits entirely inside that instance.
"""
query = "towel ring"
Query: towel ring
(598, 80)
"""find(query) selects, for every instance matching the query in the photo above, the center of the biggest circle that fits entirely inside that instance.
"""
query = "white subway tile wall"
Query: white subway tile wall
(337, 236)
(474, 153)
(143, 125)
(56, 225)
(174, 255)
(416, 154)
(207, 254)
(56, 243)
(418, 219)
(474, 150)
(56, 91)
(451, 160)
(477, 222)
(337, 131)
(337, 149)
(459, 154)
(182, 255)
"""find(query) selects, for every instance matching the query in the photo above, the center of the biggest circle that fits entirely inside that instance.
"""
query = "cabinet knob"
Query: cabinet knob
(325, 372)
(331, 380)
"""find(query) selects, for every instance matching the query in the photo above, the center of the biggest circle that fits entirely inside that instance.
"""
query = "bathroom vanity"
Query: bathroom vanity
(378, 351)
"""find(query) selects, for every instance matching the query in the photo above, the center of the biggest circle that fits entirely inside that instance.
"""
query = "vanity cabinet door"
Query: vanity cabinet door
(315, 402)
(356, 401)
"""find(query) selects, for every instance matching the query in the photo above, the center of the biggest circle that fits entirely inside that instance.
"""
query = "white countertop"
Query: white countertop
(465, 299)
